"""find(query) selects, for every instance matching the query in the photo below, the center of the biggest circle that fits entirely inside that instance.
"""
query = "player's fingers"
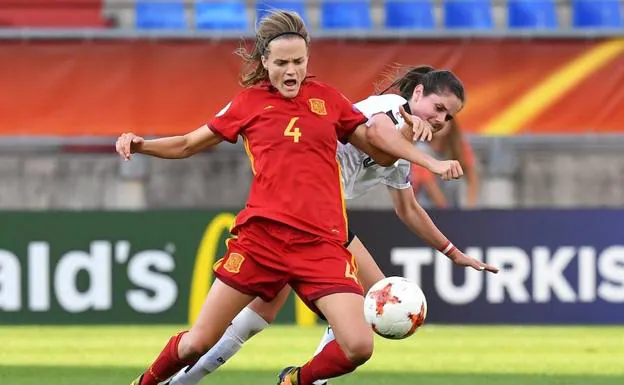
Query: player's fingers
(119, 146)
(455, 171)
(423, 132)
(128, 146)
(123, 145)
(426, 132)
(416, 130)
(477, 266)
(459, 169)
(407, 117)
(120, 149)
(490, 268)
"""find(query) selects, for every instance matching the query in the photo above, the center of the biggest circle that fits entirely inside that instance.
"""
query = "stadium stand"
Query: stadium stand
(597, 14)
(160, 15)
(332, 16)
(468, 14)
(223, 15)
(299, 6)
(346, 14)
(52, 13)
(540, 14)
(420, 15)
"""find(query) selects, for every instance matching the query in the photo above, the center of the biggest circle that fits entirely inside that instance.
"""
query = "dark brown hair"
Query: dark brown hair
(433, 82)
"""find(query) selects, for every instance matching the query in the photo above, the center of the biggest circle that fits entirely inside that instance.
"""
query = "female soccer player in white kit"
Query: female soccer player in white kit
(435, 97)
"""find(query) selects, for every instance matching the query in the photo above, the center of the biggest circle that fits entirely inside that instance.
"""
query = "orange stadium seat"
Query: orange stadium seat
(52, 13)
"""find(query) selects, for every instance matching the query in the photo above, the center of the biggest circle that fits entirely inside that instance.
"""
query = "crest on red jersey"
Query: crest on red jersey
(233, 263)
(318, 106)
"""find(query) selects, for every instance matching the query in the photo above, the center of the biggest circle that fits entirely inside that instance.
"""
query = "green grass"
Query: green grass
(436, 355)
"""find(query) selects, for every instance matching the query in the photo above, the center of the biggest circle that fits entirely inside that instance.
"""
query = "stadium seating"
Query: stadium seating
(152, 14)
(536, 14)
(409, 14)
(597, 14)
(52, 14)
(332, 15)
(299, 6)
(222, 15)
(346, 14)
(468, 14)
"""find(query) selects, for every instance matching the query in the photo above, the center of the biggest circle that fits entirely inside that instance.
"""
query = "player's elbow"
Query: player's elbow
(383, 160)
(376, 138)
(401, 212)
(374, 135)
(187, 149)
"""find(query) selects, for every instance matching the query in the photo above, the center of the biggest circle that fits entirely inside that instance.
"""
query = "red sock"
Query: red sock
(167, 363)
(330, 362)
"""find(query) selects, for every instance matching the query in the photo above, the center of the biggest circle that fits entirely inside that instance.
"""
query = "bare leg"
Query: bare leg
(249, 322)
(222, 304)
(369, 272)
(353, 347)
(182, 349)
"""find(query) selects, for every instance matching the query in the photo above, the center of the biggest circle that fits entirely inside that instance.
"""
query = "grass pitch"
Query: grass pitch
(436, 355)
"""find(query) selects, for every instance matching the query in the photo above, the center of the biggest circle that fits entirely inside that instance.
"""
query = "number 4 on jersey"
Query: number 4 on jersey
(293, 131)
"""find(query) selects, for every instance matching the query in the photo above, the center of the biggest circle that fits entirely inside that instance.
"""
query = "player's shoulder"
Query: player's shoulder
(241, 97)
(385, 101)
(240, 102)
(316, 87)
(254, 92)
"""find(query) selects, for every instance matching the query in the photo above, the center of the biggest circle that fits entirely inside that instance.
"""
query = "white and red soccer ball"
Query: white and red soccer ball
(395, 307)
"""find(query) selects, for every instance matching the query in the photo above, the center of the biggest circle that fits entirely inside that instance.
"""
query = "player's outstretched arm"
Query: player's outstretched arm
(417, 219)
(172, 147)
(382, 140)
(359, 140)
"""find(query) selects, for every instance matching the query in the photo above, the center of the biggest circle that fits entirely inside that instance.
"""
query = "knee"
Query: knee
(195, 345)
(267, 310)
(268, 315)
(360, 350)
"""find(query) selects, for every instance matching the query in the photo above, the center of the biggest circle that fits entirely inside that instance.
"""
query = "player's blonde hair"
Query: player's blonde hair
(275, 25)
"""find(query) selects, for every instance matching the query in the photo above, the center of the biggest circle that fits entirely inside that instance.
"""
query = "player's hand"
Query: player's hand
(127, 144)
(421, 129)
(462, 259)
(447, 169)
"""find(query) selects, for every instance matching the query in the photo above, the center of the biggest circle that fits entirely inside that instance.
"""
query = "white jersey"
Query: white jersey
(360, 173)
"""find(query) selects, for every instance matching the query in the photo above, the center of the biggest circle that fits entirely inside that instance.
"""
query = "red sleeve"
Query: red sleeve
(349, 118)
(229, 122)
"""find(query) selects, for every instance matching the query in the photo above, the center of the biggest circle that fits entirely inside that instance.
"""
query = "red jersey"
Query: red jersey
(291, 144)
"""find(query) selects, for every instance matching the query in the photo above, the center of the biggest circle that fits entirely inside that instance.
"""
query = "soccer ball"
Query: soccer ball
(395, 307)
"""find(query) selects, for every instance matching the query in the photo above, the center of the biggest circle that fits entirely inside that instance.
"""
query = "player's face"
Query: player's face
(287, 63)
(437, 109)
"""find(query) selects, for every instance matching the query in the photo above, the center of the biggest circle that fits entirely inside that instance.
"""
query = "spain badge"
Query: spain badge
(318, 106)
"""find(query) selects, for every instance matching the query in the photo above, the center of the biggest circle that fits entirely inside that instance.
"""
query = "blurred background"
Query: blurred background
(87, 240)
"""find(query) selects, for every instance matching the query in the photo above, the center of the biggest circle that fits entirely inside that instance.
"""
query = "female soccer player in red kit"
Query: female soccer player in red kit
(293, 227)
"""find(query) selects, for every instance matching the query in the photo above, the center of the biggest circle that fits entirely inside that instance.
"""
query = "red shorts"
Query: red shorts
(266, 255)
